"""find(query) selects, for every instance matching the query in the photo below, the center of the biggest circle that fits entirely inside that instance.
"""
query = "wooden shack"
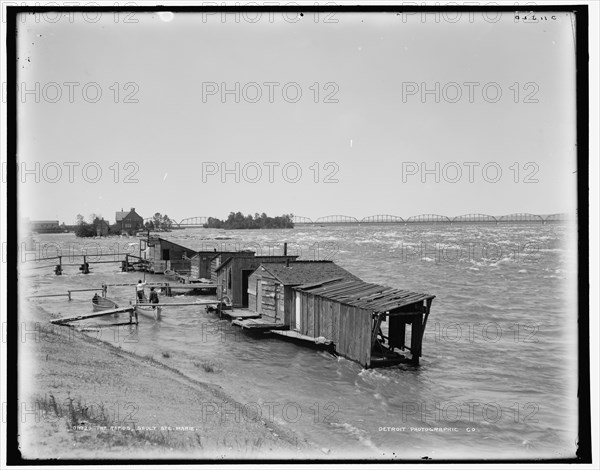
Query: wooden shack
(270, 286)
(165, 254)
(203, 266)
(200, 264)
(233, 275)
(366, 323)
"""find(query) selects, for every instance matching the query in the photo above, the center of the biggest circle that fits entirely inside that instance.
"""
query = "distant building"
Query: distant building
(45, 226)
(129, 222)
(102, 227)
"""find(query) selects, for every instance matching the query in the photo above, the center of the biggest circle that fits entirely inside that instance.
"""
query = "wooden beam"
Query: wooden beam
(85, 290)
(416, 337)
(375, 330)
(193, 286)
(178, 304)
(49, 295)
(98, 327)
(60, 321)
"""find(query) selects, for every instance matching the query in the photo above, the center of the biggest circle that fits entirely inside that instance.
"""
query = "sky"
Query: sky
(356, 114)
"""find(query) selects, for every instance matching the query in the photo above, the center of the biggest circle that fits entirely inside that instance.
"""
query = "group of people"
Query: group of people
(141, 295)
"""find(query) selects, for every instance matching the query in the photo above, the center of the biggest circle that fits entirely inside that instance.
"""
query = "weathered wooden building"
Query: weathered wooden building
(366, 323)
(223, 256)
(202, 265)
(270, 286)
(233, 275)
(165, 254)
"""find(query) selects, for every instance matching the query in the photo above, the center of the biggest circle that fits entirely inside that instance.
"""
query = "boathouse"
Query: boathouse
(270, 287)
(233, 275)
(366, 323)
(164, 254)
(221, 257)
(202, 265)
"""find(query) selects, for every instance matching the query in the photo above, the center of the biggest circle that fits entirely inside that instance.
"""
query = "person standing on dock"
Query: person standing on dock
(153, 296)
(140, 290)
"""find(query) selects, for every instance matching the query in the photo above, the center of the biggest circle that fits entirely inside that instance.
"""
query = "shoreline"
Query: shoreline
(86, 398)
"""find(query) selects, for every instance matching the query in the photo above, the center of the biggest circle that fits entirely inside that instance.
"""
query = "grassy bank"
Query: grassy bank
(84, 398)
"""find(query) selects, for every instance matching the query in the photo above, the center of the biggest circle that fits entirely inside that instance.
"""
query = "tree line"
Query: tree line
(94, 227)
(237, 220)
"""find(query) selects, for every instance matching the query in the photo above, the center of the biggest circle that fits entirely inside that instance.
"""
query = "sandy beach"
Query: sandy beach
(85, 399)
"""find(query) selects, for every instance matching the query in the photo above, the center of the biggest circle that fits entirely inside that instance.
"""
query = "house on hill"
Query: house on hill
(129, 222)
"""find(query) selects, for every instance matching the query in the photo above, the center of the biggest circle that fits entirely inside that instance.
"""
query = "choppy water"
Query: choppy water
(499, 354)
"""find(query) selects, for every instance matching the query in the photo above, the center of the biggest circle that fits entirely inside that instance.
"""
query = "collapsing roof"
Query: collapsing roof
(303, 272)
(364, 295)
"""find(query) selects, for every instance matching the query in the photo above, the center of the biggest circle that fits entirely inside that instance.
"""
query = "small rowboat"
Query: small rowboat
(102, 303)
(154, 312)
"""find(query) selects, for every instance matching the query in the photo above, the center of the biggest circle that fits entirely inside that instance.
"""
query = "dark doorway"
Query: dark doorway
(245, 275)
(166, 255)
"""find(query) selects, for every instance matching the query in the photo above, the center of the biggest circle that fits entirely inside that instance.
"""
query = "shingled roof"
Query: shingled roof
(303, 272)
(120, 215)
(364, 295)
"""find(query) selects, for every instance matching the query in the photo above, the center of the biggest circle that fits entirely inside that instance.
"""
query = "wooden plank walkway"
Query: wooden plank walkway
(180, 304)
(259, 324)
(196, 286)
(295, 335)
(240, 314)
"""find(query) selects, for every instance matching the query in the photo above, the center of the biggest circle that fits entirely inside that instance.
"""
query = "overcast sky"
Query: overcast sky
(162, 123)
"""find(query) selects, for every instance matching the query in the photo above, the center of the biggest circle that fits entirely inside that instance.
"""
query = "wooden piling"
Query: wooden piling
(416, 337)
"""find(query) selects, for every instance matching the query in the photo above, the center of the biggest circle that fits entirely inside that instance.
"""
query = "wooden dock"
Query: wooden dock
(259, 324)
(299, 336)
(240, 314)
(179, 304)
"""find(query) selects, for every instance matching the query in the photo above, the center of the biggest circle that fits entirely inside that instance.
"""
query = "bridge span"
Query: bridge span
(432, 219)
(521, 217)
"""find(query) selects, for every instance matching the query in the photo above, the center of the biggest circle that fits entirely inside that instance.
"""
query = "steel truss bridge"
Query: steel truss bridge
(190, 222)
(199, 221)
(432, 219)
